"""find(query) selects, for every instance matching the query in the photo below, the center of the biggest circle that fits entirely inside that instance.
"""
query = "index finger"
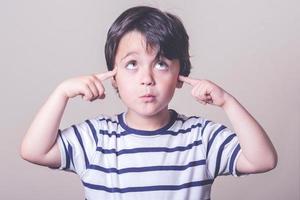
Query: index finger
(106, 75)
(188, 80)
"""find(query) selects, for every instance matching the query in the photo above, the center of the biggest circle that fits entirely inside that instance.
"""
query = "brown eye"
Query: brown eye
(131, 65)
(161, 66)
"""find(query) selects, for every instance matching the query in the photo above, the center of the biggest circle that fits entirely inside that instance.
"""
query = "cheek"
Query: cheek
(168, 86)
(125, 87)
(125, 93)
(169, 81)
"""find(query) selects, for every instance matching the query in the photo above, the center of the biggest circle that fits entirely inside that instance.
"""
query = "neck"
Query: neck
(148, 123)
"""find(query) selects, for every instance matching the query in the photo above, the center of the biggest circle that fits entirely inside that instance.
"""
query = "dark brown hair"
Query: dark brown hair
(162, 30)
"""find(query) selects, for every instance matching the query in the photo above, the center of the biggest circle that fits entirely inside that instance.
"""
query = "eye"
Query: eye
(131, 65)
(161, 65)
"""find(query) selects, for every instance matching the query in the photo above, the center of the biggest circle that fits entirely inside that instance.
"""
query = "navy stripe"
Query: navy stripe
(221, 128)
(192, 117)
(173, 117)
(114, 133)
(81, 144)
(202, 131)
(220, 152)
(233, 157)
(94, 132)
(70, 150)
(198, 125)
(149, 149)
(148, 188)
(108, 120)
(67, 166)
(150, 133)
(186, 119)
(150, 168)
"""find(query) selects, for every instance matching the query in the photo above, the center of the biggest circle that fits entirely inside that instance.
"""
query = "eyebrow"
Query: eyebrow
(158, 57)
(128, 54)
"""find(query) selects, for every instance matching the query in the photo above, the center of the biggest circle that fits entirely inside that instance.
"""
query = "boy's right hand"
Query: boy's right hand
(89, 87)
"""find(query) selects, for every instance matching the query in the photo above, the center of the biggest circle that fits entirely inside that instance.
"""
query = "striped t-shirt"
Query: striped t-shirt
(179, 161)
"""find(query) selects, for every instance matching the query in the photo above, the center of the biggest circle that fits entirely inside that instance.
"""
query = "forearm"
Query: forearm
(39, 144)
(255, 144)
(42, 133)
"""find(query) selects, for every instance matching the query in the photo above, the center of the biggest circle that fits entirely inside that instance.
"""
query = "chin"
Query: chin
(150, 112)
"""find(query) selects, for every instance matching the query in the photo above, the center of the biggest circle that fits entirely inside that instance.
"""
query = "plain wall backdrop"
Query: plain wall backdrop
(250, 48)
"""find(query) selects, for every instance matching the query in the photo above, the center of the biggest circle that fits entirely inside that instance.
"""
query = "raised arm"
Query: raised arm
(258, 153)
(39, 143)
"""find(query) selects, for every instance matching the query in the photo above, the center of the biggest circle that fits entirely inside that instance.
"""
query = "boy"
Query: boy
(149, 151)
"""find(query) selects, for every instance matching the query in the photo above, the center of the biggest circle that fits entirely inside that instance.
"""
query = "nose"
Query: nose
(147, 77)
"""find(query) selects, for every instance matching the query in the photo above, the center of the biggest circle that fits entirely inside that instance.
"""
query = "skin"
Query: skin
(146, 85)
(258, 153)
(39, 143)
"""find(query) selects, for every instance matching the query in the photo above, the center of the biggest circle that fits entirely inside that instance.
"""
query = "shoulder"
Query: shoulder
(202, 124)
(106, 119)
(93, 124)
(103, 121)
(189, 121)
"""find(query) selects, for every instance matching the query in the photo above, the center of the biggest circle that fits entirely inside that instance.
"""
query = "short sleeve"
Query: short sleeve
(77, 146)
(222, 149)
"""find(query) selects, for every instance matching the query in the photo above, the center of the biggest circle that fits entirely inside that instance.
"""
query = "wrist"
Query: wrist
(59, 92)
(229, 100)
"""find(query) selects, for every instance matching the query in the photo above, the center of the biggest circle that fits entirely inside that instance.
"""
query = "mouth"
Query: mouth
(148, 98)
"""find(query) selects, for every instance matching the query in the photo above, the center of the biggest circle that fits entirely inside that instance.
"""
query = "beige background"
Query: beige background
(250, 48)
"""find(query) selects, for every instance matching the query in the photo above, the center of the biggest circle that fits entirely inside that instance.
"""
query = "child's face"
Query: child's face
(146, 84)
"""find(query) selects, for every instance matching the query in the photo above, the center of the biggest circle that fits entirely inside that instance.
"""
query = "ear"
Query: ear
(114, 82)
(179, 84)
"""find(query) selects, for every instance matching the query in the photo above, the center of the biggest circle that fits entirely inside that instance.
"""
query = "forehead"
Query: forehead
(134, 42)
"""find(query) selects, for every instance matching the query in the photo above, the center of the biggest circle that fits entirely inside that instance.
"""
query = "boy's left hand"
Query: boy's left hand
(205, 91)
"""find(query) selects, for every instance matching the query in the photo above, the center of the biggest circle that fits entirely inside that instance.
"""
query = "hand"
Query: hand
(206, 92)
(89, 87)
